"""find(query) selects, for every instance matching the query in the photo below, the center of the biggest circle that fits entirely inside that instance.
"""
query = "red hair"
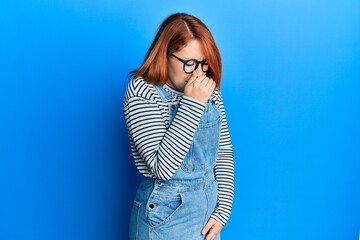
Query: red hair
(175, 33)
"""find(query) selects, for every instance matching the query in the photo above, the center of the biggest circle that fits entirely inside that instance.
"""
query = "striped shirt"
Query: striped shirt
(159, 149)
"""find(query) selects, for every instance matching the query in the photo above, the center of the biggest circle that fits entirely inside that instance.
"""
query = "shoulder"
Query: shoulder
(139, 88)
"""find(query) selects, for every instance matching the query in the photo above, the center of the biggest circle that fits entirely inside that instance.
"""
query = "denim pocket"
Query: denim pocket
(161, 208)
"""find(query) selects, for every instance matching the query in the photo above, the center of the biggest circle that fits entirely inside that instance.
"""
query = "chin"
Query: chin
(180, 88)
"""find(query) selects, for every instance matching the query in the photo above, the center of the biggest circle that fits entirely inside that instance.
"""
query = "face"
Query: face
(177, 78)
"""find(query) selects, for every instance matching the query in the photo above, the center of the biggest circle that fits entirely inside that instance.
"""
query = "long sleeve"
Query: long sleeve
(160, 151)
(224, 171)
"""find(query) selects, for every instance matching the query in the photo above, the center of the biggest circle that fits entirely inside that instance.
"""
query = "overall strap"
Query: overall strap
(164, 95)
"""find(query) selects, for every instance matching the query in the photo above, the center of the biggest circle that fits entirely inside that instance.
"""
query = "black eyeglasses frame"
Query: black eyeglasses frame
(185, 62)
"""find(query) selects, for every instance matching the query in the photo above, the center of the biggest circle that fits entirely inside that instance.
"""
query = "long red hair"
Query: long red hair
(175, 33)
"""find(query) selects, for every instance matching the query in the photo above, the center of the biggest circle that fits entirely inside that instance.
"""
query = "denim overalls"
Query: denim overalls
(180, 207)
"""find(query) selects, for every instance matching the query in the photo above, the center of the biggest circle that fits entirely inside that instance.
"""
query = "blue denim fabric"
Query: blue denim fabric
(180, 207)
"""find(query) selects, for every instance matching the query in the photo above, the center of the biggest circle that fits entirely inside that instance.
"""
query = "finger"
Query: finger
(213, 86)
(199, 82)
(212, 233)
(215, 230)
(210, 86)
(209, 83)
(207, 227)
(192, 78)
(203, 79)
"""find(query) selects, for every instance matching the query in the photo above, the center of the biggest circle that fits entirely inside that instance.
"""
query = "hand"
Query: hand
(212, 229)
(199, 88)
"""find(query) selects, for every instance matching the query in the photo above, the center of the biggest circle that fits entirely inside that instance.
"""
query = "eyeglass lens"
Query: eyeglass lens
(192, 65)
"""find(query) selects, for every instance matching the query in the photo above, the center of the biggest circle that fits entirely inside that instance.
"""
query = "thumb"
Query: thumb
(192, 78)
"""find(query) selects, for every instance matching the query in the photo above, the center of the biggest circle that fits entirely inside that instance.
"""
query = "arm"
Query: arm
(224, 171)
(163, 150)
(224, 174)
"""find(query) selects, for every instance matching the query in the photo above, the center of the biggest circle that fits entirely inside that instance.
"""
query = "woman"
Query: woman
(179, 136)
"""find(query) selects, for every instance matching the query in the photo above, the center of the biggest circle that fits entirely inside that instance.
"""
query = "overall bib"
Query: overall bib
(179, 208)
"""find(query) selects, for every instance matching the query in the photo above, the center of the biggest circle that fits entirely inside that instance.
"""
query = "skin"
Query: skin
(196, 86)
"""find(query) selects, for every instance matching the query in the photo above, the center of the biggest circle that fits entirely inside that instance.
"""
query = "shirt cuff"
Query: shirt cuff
(193, 103)
(217, 216)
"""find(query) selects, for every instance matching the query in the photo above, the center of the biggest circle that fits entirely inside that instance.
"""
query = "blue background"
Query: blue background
(291, 86)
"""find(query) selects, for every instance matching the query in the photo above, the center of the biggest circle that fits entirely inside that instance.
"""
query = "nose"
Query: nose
(199, 71)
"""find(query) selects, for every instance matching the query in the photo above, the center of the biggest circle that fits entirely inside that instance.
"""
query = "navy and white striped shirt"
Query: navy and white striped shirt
(159, 151)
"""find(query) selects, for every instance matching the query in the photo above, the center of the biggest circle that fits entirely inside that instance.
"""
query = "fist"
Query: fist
(199, 88)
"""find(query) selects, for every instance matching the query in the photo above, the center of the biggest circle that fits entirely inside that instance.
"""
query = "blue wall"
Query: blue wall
(291, 86)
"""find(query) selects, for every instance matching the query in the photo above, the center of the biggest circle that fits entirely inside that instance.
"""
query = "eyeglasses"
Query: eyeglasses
(192, 64)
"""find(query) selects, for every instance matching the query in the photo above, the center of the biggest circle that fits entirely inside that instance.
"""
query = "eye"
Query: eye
(190, 63)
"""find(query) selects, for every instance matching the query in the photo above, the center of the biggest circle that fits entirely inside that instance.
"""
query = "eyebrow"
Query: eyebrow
(188, 58)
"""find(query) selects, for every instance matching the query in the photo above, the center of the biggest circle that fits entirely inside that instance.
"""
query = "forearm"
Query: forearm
(162, 149)
(224, 174)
